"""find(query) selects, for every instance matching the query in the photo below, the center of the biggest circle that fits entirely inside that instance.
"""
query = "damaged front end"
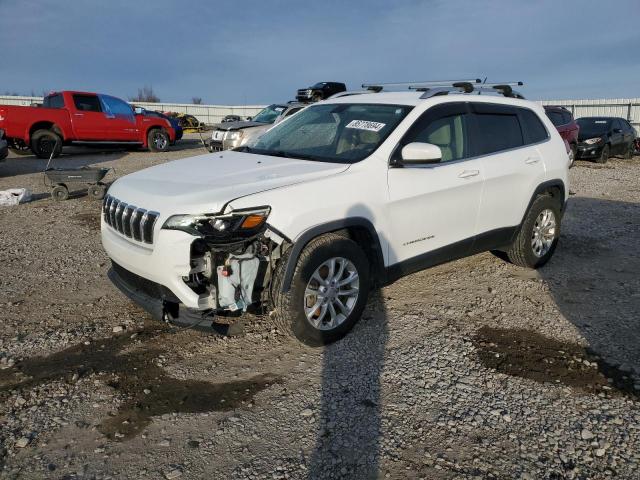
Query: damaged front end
(232, 259)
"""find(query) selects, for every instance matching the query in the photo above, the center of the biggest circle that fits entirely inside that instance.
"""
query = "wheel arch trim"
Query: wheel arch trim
(378, 273)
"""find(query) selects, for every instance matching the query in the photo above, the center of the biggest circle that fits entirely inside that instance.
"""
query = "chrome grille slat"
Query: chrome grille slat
(119, 213)
(112, 211)
(129, 220)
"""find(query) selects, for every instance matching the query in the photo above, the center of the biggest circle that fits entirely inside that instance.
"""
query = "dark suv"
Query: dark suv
(567, 127)
(320, 91)
(602, 137)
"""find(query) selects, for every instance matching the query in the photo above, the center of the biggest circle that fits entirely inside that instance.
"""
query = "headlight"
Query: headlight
(234, 135)
(593, 141)
(236, 225)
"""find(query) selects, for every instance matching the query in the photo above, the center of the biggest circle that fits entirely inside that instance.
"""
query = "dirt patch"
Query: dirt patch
(527, 354)
(90, 220)
(147, 388)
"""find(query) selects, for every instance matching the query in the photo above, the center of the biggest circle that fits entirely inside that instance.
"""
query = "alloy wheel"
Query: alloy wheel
(544, 232)
(331, 293)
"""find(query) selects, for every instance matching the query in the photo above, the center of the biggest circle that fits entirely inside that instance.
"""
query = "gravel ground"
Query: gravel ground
(474, 369)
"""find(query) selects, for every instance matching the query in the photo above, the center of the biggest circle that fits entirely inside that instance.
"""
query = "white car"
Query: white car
(348, 195)
(230, 135)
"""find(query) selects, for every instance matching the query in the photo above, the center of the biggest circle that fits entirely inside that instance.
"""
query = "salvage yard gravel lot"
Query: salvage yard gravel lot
(473, 369)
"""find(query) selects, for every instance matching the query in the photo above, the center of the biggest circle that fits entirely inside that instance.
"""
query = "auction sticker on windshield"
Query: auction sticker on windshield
(365, 125)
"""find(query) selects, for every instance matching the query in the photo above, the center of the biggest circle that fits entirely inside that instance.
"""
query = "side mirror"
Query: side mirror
(418, 153)
(249, 118)
(617, 130)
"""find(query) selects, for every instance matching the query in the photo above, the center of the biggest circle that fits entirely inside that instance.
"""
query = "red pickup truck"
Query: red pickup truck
(67, 118)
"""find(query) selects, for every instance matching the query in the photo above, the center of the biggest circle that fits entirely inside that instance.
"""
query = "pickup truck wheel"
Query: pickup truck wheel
(44, 142)
(19, 147)
(328, 292)
(317, 97)
(538, 236)
(158, 140)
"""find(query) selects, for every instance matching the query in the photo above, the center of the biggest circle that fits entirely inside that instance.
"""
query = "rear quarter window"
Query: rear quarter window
(87, 103)
(532, 128)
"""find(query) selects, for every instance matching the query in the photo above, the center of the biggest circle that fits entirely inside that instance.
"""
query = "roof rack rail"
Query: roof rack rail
(434, 88)
(503, 88)
(422, 85)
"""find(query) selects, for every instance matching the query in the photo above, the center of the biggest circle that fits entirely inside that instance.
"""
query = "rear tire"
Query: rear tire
(60, 193)
(44, 142)
(604, 156)
(309, 316)
(158, 140)
(538, 236)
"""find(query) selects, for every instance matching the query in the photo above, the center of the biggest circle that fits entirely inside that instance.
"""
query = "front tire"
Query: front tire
(46, 142)
(628, 155)
(328, 291)
(158, 140)
(604, 156)
(538, 236)
(573, 151)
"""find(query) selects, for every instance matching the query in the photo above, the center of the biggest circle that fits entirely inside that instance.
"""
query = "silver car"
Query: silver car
(230, 135)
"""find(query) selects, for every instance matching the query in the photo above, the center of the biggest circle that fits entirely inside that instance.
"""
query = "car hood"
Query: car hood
(206, 183)
(239, 125)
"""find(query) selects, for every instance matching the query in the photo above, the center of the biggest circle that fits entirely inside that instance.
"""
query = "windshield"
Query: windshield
(593, 127)
(340, 133)
(269, 114)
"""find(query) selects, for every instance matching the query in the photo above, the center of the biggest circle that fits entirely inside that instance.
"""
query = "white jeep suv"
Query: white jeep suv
(350, 194)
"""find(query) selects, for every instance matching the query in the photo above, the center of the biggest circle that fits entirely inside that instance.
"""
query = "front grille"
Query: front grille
(215, 146)
(129, 220)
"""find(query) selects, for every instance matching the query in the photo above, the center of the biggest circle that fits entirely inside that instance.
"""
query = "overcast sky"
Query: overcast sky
(257, 52)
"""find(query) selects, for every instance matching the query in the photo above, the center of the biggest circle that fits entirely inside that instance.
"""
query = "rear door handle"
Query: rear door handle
(532, 160)
(469, 173)
(79, 114)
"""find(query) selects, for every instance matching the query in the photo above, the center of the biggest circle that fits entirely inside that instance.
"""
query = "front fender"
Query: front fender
(305, 237)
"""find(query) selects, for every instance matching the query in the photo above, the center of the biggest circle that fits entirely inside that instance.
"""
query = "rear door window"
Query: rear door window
(87, 103)
(495, 128)
(53, 101)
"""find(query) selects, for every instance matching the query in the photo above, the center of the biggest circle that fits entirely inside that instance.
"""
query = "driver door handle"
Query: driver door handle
(79, 114)
(469, 173)
(532, 160)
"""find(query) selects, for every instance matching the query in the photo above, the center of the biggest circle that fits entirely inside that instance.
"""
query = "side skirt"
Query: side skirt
(493, 240)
